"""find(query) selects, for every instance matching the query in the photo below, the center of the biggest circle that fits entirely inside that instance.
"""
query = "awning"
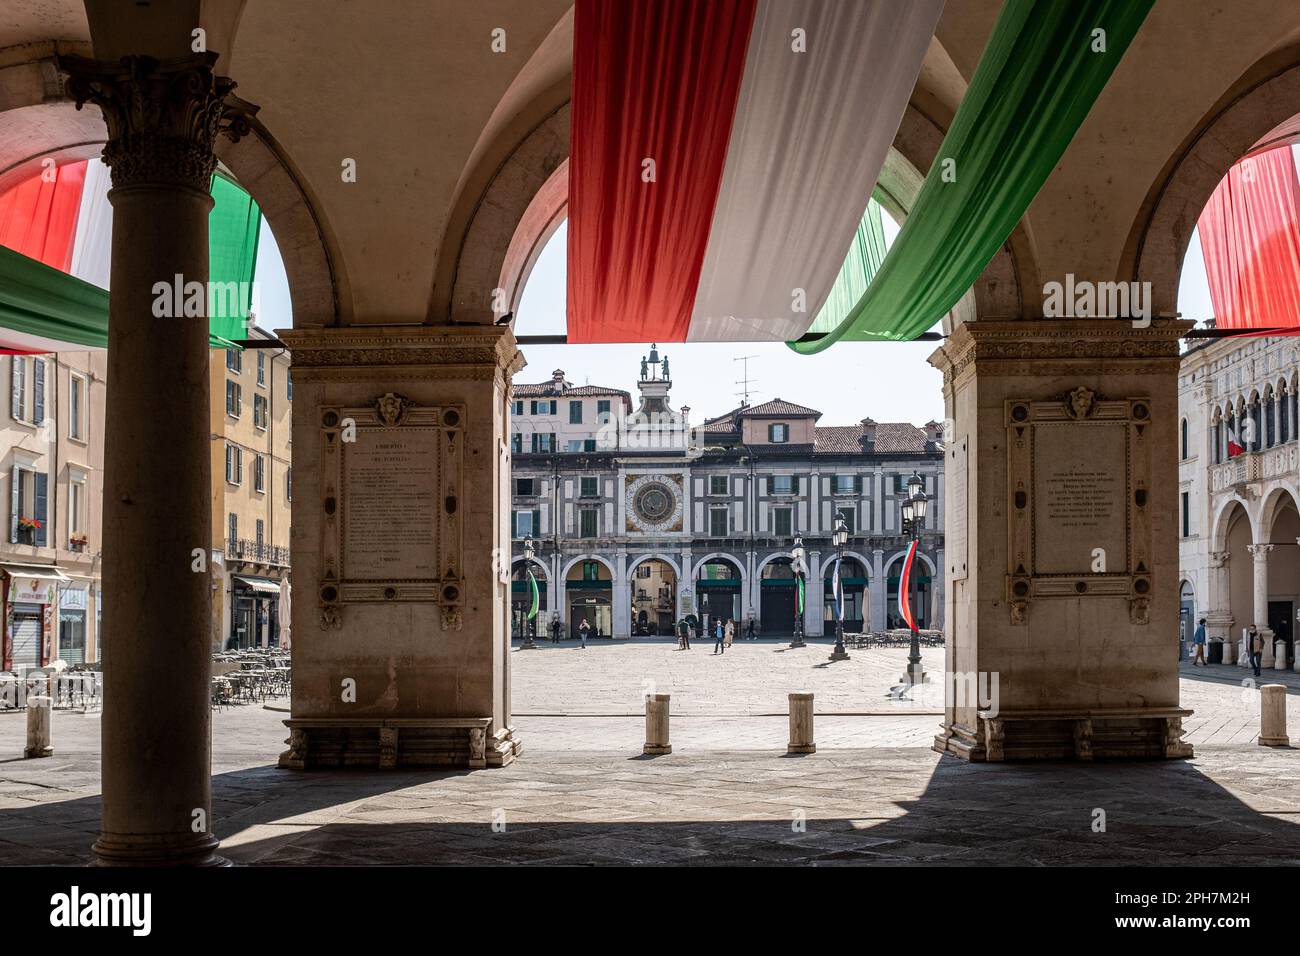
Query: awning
(261, 585)
(44, 572)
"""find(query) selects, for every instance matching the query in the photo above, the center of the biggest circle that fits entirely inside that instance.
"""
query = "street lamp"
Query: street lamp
(798, 557)
(530, 621)
(913, 509)
(839, 538)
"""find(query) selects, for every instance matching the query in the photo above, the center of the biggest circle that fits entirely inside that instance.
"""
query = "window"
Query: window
(261, 411)
(28, 500)
(718, 484)
(261, 528)
(778, 433)
(76, 505)
(589, 487)
(602, 411)
(235, 360)
(589, 519)
(234, 464)
(1182, 430)
(259, 473)
(18, 388)
(527, 523)
(847, 484)
(234, 398)
(517, 443)
(590, 571)
(525, 486)
(1187, 514)
(850, 518)
(574, 446)
(575, 413)
(27, 390)
(261, 368)
(38, 390)
(76, 391)
(288, 484)
(782, 484)
(900, 484)
(288, 386)
(545, 407)
(782, 522)
(543, 443)
(718, 523)
(232, 527)
(517, 408)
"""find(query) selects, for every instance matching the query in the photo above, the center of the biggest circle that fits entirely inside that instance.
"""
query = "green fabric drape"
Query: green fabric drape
(39, 300)
(1035, 83)
(860, 266)
(233, 228)
(532, 586)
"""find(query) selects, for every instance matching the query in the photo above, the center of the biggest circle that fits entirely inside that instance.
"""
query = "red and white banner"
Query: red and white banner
(722, 155)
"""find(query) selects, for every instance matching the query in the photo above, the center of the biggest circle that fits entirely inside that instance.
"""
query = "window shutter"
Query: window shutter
(15, 503)
(537, 521)
(794, 484)
(857, 484)
(771, 485)
(38, 390)
(16, 387)
(42, 490)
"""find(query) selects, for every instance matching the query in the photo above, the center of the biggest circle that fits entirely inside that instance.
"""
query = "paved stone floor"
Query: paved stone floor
(873, 794)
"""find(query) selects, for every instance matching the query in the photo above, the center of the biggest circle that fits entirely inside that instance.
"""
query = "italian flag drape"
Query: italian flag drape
(1250, 240)
(904, 582)
(723, 154)
(55, 240)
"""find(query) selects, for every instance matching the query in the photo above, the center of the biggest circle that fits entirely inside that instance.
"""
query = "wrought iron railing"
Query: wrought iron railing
(245, 549)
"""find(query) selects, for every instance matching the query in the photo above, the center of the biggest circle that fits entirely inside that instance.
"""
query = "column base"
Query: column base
(657, 750)
(1275, 741)
(157, 850)
(1142, 733)
(397, 742)
(838, 655)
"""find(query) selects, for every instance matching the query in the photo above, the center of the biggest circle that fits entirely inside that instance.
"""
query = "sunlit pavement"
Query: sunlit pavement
(582, 793)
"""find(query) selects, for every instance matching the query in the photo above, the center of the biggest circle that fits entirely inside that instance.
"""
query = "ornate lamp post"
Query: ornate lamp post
(913, 509)
(798, 563)
(530, 620)
(839, 538)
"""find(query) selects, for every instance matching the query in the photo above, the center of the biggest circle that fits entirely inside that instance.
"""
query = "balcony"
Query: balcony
(251, 552)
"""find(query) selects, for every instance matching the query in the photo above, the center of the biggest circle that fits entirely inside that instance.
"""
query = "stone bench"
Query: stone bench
(388, 743)
(1082, 735)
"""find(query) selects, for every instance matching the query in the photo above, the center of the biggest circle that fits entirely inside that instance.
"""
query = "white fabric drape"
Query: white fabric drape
(810, 135)
(94, 238)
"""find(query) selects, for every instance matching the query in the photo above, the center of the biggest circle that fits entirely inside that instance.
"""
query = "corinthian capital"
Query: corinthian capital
(163, 116)
(1259, 550)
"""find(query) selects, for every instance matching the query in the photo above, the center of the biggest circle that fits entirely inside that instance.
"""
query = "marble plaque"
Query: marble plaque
(1080, 497)
(390, 504)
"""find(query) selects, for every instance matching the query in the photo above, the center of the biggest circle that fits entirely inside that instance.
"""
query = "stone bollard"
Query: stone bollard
(656, 724)
(801, 725)
(1229, 652)
(1279, 656)
(1272, 716)
(38, 727)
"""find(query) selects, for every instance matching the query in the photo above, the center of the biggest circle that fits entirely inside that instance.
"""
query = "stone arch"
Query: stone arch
(1270, 508)
(1261, 101)
(1223, 519)
(774, 556)
(518, 564)
(655, 556)
(569, 566)
(899, 555)
(720, 556)
(829, 562)
(38, 120)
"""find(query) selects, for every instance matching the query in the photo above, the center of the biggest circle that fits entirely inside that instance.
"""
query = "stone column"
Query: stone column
(801, 725)
(1260, 554)
(814, 617)
(620, 595)
(1272, 716)
(1061, 417)
(656, 725)
(1218, 616)
(879, 589)
(162, 118)
(415, 611)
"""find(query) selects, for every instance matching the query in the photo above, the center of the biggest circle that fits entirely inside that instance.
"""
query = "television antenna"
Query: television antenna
(744, 381)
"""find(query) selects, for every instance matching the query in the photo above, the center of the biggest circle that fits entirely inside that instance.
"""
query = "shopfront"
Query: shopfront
(73, 604)
(255, 612)
(30, 598)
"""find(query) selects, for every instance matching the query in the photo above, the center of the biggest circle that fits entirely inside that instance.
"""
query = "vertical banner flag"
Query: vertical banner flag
(536, 598)
(837, 589)
(904, 604)
(1235, 446)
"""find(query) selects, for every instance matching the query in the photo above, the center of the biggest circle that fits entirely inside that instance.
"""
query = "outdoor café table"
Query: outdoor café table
(8, 691)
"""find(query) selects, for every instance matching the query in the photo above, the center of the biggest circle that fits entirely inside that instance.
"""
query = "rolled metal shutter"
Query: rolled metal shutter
(27, 635)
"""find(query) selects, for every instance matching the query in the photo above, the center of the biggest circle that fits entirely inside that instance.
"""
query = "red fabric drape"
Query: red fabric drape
(39, 218)
(657, 80)
(904, 581)
(1250, 238)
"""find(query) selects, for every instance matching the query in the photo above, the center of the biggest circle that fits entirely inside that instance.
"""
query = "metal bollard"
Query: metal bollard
(656, 724)
(38, 727)
(801, 725)
(1272, 716)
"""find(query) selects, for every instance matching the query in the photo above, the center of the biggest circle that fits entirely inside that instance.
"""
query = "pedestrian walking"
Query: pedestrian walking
(729, 632)
(750, 626)
(556, 630)
(719, 637)
(683, 635)
(1255, 647)
(583, 628)
(1198, 639)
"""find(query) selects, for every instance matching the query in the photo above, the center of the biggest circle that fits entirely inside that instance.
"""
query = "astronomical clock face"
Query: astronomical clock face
(654, 504)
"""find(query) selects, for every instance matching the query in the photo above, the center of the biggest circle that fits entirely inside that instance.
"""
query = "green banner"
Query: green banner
(860, 266)
(532, 586)
(1045, 64)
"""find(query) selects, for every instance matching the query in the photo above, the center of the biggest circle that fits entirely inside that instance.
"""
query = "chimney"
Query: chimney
(933, 432)
(868, 433)
(557, 381)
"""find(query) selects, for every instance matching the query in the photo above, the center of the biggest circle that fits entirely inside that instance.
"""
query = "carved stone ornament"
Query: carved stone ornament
(163, 116)
(1079, 402)
(331, 617)
(391, 409)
